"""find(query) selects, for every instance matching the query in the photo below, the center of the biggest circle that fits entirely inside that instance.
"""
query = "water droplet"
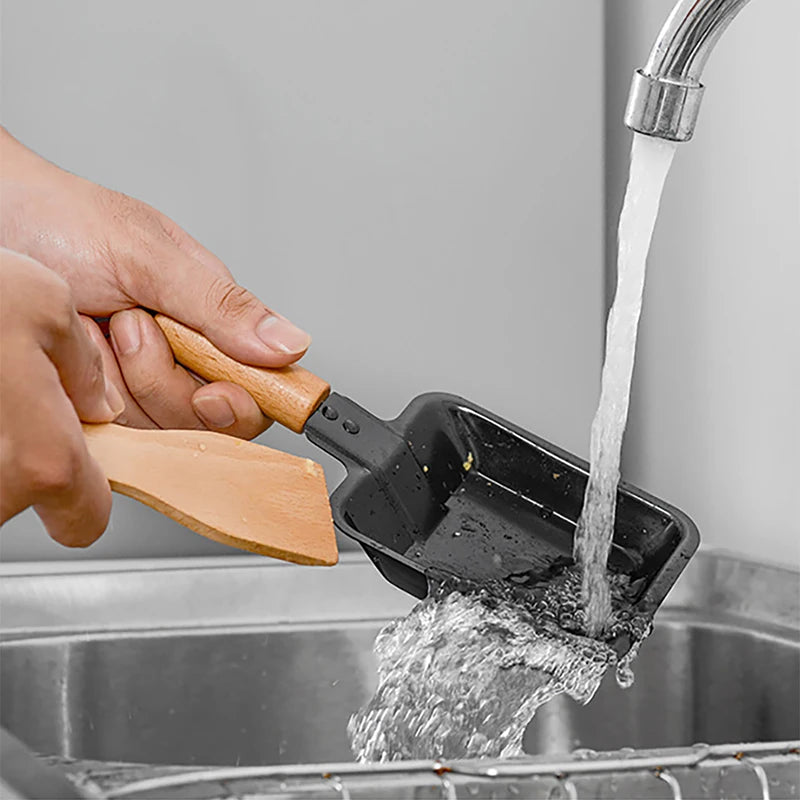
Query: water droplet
(625, 678)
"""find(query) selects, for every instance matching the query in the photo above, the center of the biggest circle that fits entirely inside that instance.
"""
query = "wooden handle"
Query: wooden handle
(234, 492)
(289, 395)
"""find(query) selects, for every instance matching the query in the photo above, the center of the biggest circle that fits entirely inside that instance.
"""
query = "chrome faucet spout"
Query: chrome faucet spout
(665, 94)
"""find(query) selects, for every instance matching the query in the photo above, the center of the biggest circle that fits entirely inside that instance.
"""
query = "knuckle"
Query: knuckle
(77, 525)
(144, 388)
(95, 375)
(57, 471)
(59, 306)
(126, 210)
(135, 230)
(90, 528)
(231, 299)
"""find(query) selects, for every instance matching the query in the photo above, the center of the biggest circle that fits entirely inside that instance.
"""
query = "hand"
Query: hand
(118, 254)
(51, 377)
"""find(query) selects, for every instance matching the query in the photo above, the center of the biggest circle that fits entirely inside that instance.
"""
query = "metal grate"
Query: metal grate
(767, 770)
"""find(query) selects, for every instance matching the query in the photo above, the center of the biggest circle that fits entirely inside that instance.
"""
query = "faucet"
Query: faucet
(665, 94)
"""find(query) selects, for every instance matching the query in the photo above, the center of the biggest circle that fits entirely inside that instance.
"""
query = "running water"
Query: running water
(650, 163)
(463, 674)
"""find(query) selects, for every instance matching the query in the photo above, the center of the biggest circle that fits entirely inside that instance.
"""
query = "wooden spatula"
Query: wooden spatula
(234, 492)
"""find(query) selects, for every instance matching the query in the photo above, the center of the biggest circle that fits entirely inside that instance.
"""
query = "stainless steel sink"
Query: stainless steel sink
(240, 661)
(284, 695)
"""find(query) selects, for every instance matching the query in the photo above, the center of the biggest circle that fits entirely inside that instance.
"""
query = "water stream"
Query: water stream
(650, 162)
(463, 674)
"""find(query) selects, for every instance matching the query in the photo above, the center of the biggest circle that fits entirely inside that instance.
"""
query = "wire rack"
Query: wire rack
(768, 770)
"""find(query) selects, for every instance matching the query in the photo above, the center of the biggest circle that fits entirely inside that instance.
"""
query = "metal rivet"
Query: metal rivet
(350, 426)
(329, 412)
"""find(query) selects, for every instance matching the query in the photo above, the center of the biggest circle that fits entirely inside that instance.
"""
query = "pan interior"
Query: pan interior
(498, 503)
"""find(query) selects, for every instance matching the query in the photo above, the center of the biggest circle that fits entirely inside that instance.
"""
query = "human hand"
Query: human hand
(51, 378)
(118, 254)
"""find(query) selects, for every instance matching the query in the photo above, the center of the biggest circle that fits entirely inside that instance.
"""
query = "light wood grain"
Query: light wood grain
(232, 491)
(289, 395)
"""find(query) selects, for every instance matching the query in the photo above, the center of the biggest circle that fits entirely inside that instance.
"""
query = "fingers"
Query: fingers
(75, 510)
(174, 275)
(78, 361)
(230, 316)
(53, 468)
(166, 393)
(132, 415)
(215, 403)
(50, 372)
(71, 494)
(162, 389)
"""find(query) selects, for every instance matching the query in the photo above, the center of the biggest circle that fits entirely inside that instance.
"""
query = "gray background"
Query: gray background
(428, 187)
(714, 411)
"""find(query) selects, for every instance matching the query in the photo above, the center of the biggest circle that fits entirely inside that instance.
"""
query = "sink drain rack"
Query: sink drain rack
(766, 770)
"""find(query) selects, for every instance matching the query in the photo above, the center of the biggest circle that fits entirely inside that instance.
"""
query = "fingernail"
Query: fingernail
(279, 334)
(214, 410)
(125, 334)
(116, 404)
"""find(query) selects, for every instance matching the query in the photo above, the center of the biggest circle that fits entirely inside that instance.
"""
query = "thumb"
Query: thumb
(234, 319)
(80, 369)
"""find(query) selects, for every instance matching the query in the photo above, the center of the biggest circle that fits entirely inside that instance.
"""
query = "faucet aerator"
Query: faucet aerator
(665, 94)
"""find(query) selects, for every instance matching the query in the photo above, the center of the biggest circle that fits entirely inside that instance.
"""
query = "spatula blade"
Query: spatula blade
(235, 492)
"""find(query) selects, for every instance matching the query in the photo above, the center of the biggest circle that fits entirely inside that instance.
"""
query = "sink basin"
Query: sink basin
(283, 696)
(240, 661)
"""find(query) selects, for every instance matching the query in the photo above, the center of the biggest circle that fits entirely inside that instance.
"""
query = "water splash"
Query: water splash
(463, 674)
(650, 162)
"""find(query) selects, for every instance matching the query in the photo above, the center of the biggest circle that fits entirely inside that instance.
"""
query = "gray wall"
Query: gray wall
(714, 412)
(387, 174)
